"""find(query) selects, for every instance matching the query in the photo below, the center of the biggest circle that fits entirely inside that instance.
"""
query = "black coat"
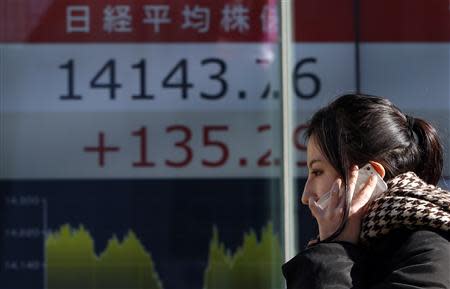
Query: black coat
(402, 259)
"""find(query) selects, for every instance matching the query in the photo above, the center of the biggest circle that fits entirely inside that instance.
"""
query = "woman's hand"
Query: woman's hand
(358, 207)
(330, 217)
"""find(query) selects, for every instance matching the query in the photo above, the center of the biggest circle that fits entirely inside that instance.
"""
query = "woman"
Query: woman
(398, 240)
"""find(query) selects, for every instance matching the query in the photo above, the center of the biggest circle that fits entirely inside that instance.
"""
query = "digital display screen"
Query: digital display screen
(141, 141)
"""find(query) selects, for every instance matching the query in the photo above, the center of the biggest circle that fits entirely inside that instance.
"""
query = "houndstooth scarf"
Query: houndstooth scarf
(409, 203)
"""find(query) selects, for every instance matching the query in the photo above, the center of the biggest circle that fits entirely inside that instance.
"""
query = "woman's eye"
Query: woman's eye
(316, 172)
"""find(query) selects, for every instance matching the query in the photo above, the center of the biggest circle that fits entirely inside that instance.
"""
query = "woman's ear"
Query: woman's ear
(379, 168)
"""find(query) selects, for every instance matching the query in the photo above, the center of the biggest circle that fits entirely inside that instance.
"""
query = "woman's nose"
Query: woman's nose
(306, 194)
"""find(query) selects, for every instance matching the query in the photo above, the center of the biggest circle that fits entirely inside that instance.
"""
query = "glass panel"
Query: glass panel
(396, 49)
(141, 144)
(406, 57)
(325, 66)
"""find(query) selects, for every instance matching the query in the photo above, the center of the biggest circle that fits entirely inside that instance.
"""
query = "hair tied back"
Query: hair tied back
(411, 121)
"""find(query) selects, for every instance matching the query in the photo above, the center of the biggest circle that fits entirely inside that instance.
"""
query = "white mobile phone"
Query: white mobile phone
(363, 175)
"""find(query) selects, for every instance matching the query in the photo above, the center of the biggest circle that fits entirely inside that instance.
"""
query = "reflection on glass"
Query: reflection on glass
(141, 144)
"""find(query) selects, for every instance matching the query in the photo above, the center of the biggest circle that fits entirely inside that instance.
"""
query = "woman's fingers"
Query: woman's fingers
(315, 209)
(334, 199)
(329, 217)
(361, 198)
(342, 197)
(353, 177)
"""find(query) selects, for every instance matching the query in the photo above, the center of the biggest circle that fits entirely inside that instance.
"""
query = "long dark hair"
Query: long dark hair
(357, 128)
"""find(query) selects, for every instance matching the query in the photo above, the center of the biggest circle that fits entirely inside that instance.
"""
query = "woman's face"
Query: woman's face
(321, 173)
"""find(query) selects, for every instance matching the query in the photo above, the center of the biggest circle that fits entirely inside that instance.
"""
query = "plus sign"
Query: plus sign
(101, 149)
